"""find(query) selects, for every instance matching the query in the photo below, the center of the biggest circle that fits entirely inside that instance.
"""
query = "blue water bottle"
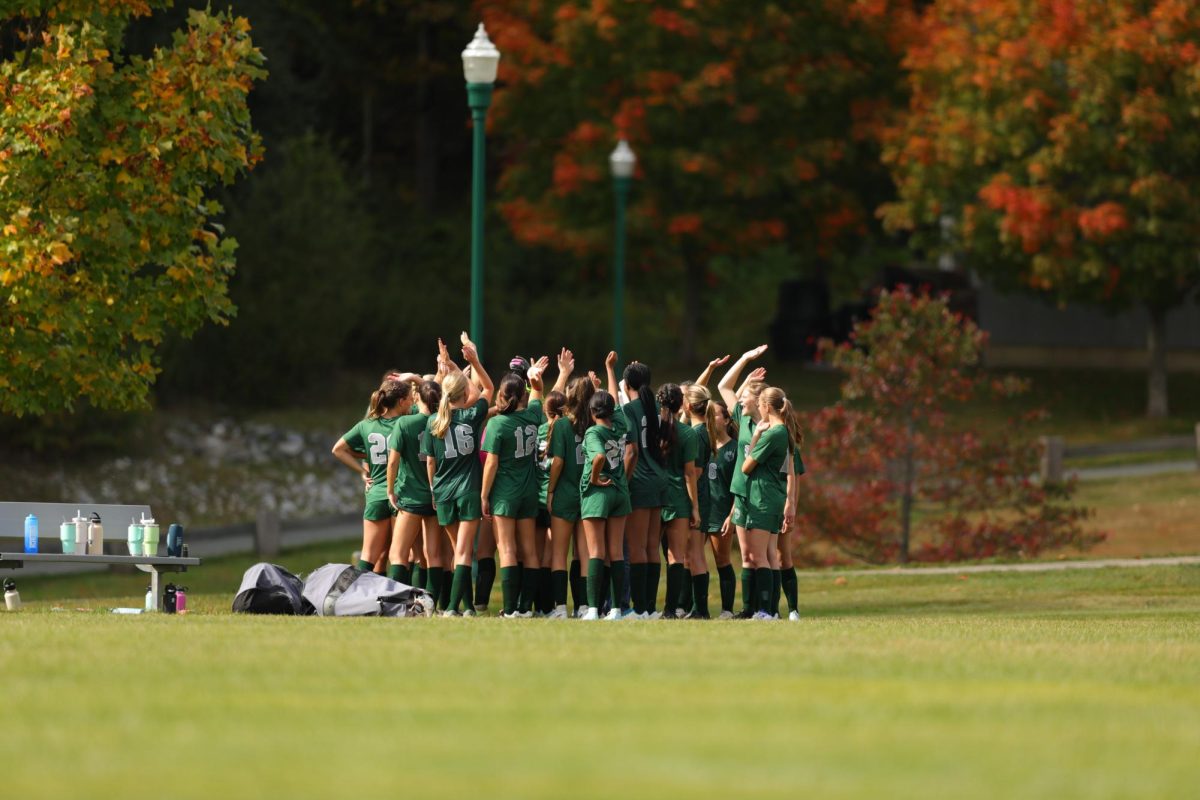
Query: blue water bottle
(31, 534)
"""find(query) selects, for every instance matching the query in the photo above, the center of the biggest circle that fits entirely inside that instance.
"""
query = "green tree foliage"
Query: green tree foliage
(1056, 144)
(888, 449)
(106, 162)
(755, 126)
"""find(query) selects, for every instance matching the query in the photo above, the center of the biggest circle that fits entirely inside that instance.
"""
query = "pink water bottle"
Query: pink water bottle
(181, 599)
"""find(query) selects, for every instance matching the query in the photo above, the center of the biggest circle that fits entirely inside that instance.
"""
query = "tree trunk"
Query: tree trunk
(906, 500)
(368, 134)
(426, 132)
(692, 306)
(1156, 378)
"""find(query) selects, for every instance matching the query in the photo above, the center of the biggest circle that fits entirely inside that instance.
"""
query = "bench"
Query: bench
(113, 517)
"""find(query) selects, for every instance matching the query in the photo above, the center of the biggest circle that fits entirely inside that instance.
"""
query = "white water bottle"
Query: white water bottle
(81, 533)
(95, 536)
(12, 598)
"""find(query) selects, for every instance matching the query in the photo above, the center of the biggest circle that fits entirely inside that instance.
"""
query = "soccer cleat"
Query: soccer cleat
(762, 615)
(424, 606)
(559, 612)
(725, 614)
(590, 614)
(449, 613)
(579, 612)
(481, 609)
(614, 614)
(793, 616)
(468, 612)
(651, 615)
(696, 615)
(517, 614)
(680, 614)
(745, 613)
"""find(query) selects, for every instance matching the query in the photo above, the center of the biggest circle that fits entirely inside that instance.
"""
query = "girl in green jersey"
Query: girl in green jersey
(646, 488)
(509, 492)
(744, 403)
(564, 461)
(409, 493)
(451, 463)
(768, 468)
(702, 417)
(552, 407)
(681, 504)
(718, 479)
(364, 450)
(604, 500)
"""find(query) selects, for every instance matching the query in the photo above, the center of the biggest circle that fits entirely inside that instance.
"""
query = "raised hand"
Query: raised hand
(610, 360)
(750, 355)
(594, 378)
(566, 361)
(716, 362)
(469, 352)
(759, 374)
(761, 427)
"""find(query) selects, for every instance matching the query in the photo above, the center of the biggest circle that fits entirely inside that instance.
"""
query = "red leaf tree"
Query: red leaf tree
(897, 476)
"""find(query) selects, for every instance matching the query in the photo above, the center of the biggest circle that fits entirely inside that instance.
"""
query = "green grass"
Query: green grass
(1078, 684)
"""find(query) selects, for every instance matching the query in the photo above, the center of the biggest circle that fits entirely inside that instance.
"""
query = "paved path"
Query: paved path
(1037, 566)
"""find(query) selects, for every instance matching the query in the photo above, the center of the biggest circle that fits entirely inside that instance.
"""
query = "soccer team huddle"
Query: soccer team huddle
(580, 486)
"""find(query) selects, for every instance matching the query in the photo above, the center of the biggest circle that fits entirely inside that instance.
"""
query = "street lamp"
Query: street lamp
(480, 60)
(622, 161)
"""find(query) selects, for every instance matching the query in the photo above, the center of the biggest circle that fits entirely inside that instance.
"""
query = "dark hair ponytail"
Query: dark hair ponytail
(386, 397)
(637, 379)
(602, 405)
(553, 407)
(510, 393)
(431, 395)
(670, 397)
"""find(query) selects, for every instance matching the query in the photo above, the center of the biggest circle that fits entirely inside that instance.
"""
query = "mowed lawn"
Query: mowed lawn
(1071, 684)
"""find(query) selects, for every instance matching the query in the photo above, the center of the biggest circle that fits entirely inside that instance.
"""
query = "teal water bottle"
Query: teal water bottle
(66, 535)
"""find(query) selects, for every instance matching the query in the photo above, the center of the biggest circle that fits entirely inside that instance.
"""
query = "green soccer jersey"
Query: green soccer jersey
(745, 426)
(702, 462)
(412, 479)
(647, 471)
(686, 451)
(718, 477)
(457, 469)
(768, 482)
(543, 463)
(566, 445)
(513, 438)
(370, 436)
(608, 441)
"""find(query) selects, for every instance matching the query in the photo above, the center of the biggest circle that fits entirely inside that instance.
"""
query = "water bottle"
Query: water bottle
(169, 599)
(135, 538)
(174, 540)
(149, 536)
(31, 534)
(66, 535)
(81, 533)
(95, 536)
(181, 599)
(12, 598)
(149, 598)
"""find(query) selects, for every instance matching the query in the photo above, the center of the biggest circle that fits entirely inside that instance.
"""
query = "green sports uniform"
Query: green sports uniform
(676, 503)
(412, 480)
(604, 501)
(737, 486)
(767, 484)
(513, 439)
(648, 483)
(566, 445)
(456, 476)
(370, 436)
(717, 478)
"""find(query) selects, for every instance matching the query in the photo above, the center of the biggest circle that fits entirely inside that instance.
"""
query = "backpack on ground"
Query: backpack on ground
(271, 589)
(340, 590)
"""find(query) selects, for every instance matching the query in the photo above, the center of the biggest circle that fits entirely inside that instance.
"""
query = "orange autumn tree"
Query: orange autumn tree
(754, 125)
(106, 165)
(1054, 144)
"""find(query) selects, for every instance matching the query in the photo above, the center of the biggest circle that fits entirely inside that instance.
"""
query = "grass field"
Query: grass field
(1080, 684)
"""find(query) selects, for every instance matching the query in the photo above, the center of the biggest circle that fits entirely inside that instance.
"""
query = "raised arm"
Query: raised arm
(610, 367)
(708, 371)
(536, 371)
(566, 365)
(477, 371)
(729, 382)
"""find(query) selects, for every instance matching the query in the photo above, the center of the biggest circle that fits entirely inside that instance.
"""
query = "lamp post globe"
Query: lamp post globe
(480, 62)
(622, 161)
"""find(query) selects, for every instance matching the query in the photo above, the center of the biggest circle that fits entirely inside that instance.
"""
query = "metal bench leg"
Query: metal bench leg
(154, 592)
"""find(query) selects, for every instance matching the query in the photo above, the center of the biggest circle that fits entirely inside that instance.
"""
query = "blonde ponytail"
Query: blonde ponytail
(454, 389)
